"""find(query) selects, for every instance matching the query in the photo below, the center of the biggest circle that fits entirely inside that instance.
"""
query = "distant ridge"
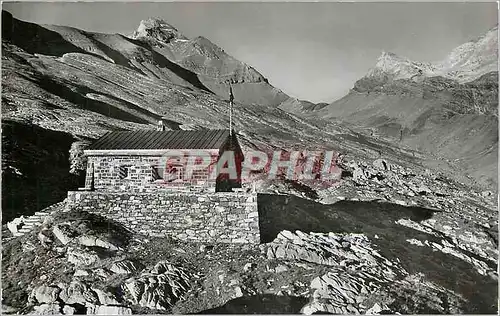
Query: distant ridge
(447, 109)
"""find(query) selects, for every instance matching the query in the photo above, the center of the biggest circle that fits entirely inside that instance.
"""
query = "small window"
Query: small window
(173, 173)
(169, 174)
(123, 172)
(158, 173)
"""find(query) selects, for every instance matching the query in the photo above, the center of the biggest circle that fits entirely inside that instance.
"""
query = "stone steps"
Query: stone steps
(32, 219)
(25, 229)
(30, 222)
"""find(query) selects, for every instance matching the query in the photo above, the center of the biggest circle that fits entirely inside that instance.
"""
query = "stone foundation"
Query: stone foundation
(226, 217)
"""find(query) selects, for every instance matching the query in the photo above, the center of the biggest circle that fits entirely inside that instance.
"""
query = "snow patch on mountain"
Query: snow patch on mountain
(397, 67)
(157, 29)
(473, 59)
(465, 63)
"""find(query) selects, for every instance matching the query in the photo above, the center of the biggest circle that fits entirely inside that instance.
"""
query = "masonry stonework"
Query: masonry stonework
(225, 217)
(106, 170)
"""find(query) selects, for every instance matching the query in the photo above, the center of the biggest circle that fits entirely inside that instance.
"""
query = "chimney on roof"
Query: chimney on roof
(161, 126)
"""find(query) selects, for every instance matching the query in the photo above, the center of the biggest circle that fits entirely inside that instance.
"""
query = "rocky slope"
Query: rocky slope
(84, 84)
(448, 110)
(64, 82)
(398, 247)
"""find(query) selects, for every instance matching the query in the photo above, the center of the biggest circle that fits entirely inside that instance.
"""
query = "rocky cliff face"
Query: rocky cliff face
(465, 63)
(215, 68)
(473, 59)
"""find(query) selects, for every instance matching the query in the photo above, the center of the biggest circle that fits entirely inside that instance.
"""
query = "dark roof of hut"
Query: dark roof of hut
(177, 139)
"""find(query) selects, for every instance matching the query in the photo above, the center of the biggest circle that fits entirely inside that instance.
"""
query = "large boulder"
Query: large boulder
(47, 309)
(418, 187)
(108, 310)
(6, 310)
(45, 294)
(82, 256)
(358, 174)
(93, 241)
(378, 309)
(45, 238)
(90, 230)
(69, 310)
(381, 164)
(16, 224)
(486, 193)
(63, 233)
(64, 299)
(77, 293)
(105, 298)
(125, 267)
(159, 288)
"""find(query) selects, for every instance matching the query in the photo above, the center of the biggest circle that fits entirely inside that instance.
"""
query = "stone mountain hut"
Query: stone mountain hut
(135, 161)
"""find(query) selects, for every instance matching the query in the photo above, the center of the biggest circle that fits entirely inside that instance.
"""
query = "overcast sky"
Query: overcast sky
(313, 51)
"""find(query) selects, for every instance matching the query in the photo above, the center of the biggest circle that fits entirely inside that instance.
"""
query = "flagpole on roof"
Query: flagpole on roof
(231, 99)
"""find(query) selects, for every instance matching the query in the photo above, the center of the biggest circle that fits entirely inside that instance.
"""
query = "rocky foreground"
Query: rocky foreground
(387, 240)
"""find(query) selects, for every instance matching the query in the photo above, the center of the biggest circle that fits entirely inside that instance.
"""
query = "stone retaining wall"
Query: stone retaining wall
(199, 217)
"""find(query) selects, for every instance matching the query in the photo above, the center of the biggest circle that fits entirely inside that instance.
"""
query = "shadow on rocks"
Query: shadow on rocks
(96, 225)
(377, 220)
(280, 212)
(261, 304)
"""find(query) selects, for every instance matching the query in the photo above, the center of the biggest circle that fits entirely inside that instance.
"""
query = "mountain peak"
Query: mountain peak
(491, 32)
(398, 67)
(389, 60)
(389, 55)
(156, 22)
(473, 59)
(465, 63)
(157, 29)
